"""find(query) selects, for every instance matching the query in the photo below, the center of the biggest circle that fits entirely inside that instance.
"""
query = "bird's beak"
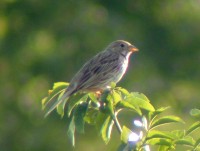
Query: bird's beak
(132, 48)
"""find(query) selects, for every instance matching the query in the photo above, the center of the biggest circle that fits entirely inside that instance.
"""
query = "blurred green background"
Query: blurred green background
(46, 41)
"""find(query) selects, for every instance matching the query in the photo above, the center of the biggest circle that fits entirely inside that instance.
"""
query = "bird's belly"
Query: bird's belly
(121, 71)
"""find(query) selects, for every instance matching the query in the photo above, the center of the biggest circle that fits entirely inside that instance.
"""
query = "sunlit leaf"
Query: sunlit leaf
(107, 129)
(160, 141)
(197, 143)
(178, 134)
(153, 114)
(129, 105)
(164, 148)
(159, 134)
(139, 100)
(165, 120)
(50, 103)
(186, 141)
(125, 134)
(113, 85)
(116, 96)
(60, 84)
(122, 90)
(79, 116)
(93, 97)
(60, 107)
(195, 112)
(193, 127)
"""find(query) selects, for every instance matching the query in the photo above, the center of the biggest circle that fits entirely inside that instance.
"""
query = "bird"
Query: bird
(100, 71)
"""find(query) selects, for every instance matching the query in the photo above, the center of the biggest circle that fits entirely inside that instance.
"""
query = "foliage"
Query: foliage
(102, 111)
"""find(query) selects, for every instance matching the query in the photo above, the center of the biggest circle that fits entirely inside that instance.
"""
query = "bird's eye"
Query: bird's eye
(122, 45)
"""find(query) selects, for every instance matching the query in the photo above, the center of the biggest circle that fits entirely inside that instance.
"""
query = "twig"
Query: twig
(117, 123)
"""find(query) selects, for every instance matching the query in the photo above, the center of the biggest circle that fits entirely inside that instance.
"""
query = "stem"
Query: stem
(117, 123)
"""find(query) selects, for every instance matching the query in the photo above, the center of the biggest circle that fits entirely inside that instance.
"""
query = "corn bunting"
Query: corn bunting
(97, 74)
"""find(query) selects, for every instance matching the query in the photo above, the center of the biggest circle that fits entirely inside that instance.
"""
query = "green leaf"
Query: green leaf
(163, 148)
(193, 127)
(61, 106)
(178, 134)
(153, 114)
(50, 103)
(197, 143)
(100, 120)
(160, 141)
(91, 116)
(107, 129)
(127, 105)
(79, 115)
(74, 100)
(188, 140)
(110, 104)
(93, 97)
(115, 96)
(60, 84)
(195, 112)
(113, 85)
(159, 134)
(71, 131)
(125, 134)
(165, 120)
(140, 100)
(122, 90)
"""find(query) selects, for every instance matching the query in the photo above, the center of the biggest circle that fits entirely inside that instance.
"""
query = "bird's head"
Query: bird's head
(122, 47)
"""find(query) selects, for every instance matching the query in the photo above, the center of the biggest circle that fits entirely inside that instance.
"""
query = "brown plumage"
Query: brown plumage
(98, 73)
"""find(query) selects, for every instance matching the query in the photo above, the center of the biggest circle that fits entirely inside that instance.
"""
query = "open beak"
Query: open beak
(132, 48)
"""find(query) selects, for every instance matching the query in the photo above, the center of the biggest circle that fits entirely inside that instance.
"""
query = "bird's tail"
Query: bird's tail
(53, 105)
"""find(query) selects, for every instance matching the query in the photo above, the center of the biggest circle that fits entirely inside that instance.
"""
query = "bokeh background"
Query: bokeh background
(42, 42)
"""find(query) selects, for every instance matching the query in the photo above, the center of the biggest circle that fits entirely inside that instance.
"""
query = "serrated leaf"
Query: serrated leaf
(74, 100)
(193, 127)
(79, 116)
(188, 140)
(107, 129)
(158, 134)
(127, 105)
(165, 120)
(160, 141)
(125, 134)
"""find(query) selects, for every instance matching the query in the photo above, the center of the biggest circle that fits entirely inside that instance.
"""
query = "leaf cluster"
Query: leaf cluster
(102, 111)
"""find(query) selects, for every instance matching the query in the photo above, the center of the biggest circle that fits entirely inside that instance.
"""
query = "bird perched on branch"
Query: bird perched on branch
(101, 70)
(107, 66)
